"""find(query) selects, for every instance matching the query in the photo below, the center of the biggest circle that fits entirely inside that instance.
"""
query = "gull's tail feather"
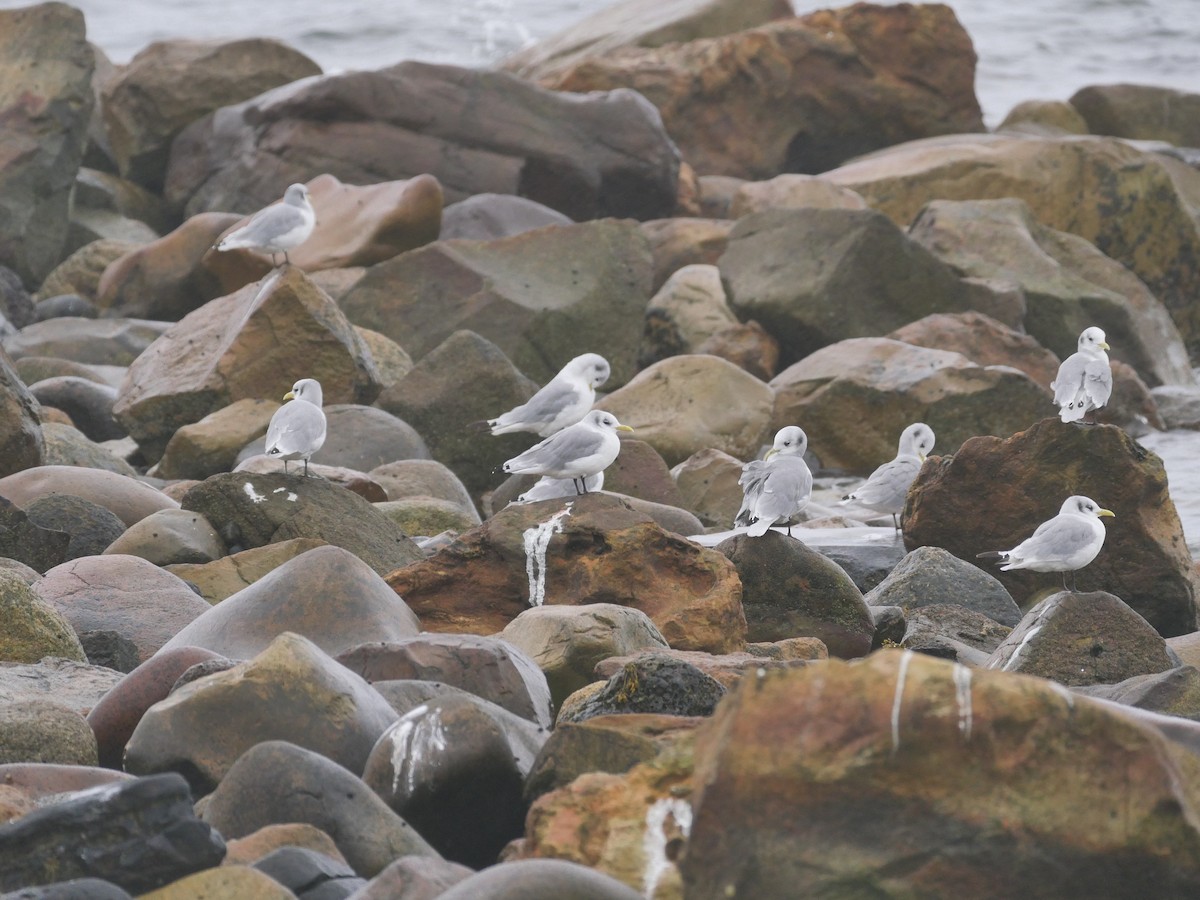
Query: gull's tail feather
(759, 527)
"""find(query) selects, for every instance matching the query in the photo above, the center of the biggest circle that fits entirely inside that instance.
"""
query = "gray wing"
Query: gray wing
(1069, 380)
(887, 487)
(1056, 539)
(754, 474)
(560, 449)
(785, 491)
(544, 406)
(1098, 381)
(296, 427)
(268, 224)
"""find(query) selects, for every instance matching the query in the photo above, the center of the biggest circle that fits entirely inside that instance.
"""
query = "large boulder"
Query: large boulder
(641, 23)
(815, 276)
(994, 492)
(854, 398)
(125, 497)
(475, 131)
(1068, 283)
(660, 405)
(46, 100)
(286, 692)
(21, 443)
(1141, 112)
(101, 342)
(542, 297)
(1138, 208)
(250, 510)
(829, 85)
(593, 549)
(802, 776)
(356, 605)
(170, 84)
(253, 343)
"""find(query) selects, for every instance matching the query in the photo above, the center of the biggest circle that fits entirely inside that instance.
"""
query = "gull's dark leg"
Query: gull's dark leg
(306, 467)
(285, 467)
(896, 521)
(789, 528)
(578, 492)
(583, 481)
(286, 259)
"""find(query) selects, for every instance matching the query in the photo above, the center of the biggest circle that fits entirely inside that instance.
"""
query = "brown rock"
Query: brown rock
(80, 272)
(32, 628)
(747, 346)
(802, 775)
(869, 62)
(253, 847)
(487, 667)
(356, 605)
(99, 342)
(1135, 206)
(475, 131)
(984, 341)
(211, 445)
(727, 668)
(223, 577)
(171, 84)
(676, 243)
(708, 484)
(832, 390)
(125, 594)
(242, 882)
(66, 445)
(414, 878)
(994, 492)
(1046, 118)
(1068, 284)
(607, 553)
(254, 343)
(660, 404)
(283, 693)
(21, 443)
(541, 297)
(356, 226)
(640, 472)
(1140, 112)
(127, 498)
(163, 279)
(117, 713)
(790, 192)
(45, 103)
(690, 308)
(714, 195)
(42, 731)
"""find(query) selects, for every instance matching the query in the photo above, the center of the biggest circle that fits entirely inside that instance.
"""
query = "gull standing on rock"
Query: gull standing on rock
(887, 487)
(1066, 543)
(564, 400)
(577, 452)
(277, 228)
(546, 488)
(297, 429)
(776, 487)
(1084, 381)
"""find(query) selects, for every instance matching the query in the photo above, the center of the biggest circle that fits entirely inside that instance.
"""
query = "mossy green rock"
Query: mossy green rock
(32, 628)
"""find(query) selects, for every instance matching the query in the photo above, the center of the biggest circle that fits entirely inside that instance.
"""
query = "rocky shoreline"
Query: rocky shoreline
(389, 680)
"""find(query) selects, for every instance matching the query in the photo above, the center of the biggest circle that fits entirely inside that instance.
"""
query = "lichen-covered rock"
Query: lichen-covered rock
(33, 628)
(1141, 112)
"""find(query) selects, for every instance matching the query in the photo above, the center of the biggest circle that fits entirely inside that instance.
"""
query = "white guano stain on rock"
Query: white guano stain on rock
(255, 496)
(417, 735)
(655, 838)
(1012, 660)
(962, 695)
(537, 541)
(901, 675)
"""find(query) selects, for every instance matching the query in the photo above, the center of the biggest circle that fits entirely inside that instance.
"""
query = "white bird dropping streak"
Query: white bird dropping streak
(901, 675)
(962, 694)
(255, 496)
(655, 839)
(418, 732)
(1012, 660)
(537, 541)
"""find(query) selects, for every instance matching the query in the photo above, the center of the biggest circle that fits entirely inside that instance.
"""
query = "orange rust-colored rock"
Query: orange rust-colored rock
(591, 549)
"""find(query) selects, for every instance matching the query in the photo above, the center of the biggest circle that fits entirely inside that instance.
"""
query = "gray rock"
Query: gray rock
(91, 526)
(75, 889)
(276, 782)
(139, 834)
(110, 649)
(87, 403)
(1175, 692)
(41, 731)
(931, 576)
(413, 878)
(1083, 638)
(26, 542)
(105, 342)
(1179, 406)
(68, 446)
(66, 305)
(75, 685)
(251, 510)
(21, 443)
(485, 217)
(309, 874)
(952, 631)
(170, 537)
(540, 879)
(890, 626)
(15, 303)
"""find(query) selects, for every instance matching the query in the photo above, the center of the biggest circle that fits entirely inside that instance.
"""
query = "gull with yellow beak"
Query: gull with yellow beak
(776, 487)
(1084, 381)
(1066, 543)
(297, 429)
(887, 487)
(577, 452)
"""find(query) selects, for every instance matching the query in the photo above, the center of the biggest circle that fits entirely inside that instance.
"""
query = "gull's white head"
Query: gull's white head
(916, 440)
(1091, 340)
(1080, 505)
(296, 195)
(605, 421)
(307, 389)
(789, 441)
(590, 367)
